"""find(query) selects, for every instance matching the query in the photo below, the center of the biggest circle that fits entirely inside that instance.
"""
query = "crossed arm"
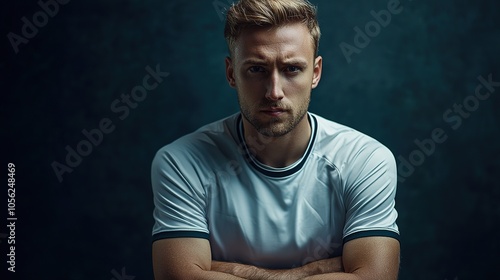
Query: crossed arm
(364, 258)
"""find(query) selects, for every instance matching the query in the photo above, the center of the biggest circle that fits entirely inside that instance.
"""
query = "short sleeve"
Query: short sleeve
(370, 190)
(179, 198)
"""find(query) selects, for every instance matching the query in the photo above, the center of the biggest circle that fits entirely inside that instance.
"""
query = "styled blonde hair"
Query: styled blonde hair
(270, 13)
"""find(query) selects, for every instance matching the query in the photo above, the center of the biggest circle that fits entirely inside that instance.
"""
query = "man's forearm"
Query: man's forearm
(215, 275)
(348, 276)
(334, 276)
(253, 272)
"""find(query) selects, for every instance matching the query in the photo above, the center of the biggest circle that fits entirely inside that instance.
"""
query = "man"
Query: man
(274, 192)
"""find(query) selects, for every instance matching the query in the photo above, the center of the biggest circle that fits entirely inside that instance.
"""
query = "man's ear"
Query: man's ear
(230, 72)
(318, 68)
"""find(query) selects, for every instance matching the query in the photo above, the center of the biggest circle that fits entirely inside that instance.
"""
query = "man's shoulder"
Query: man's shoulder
(332, 130)
(342, 140)
(209, 137)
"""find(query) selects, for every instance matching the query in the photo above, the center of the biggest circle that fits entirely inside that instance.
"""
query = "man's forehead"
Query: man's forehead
(286, 42)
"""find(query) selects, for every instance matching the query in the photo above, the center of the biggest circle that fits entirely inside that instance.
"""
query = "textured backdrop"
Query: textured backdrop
(82, 129)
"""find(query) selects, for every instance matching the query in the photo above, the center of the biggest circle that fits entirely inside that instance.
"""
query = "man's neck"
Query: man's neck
(278, 151)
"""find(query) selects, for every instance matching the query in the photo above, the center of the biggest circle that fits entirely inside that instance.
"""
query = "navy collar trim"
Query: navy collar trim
(277, 172)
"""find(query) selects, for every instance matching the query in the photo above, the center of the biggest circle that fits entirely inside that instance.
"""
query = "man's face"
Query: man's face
(274, 71)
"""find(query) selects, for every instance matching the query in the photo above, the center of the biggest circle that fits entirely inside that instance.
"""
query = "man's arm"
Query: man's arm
(190, 258)
(374, 258)
(364, 258)
(253, 272)
(184, 258)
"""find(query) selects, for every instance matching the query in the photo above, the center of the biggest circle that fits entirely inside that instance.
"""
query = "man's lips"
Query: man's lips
(273, 111)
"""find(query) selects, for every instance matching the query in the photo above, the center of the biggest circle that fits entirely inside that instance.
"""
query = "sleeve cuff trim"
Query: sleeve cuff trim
(179, 234)
(370, 233)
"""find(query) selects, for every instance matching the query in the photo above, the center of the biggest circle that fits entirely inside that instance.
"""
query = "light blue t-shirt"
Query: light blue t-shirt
(208, 185)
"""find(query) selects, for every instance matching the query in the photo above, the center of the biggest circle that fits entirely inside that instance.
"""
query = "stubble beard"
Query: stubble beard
(275, 127)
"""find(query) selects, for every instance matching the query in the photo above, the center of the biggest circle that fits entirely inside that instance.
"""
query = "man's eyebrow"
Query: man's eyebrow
(254, 61)
(295, 61)
(292, 61)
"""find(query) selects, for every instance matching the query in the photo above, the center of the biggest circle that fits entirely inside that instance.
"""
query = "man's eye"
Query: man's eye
(256, 69)
(293, 69)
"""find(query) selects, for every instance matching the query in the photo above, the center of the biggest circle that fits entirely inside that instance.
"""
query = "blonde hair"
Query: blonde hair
(270, 13)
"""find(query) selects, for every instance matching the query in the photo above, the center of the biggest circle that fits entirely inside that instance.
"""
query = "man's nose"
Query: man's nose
(274, 87)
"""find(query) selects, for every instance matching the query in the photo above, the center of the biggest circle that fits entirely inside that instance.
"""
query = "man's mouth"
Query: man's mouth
(273, 111)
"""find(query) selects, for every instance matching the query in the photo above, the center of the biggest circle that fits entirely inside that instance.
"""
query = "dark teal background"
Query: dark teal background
(99, 218)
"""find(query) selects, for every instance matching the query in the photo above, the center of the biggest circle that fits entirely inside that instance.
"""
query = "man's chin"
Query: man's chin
(270, 127)
(274, 132)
